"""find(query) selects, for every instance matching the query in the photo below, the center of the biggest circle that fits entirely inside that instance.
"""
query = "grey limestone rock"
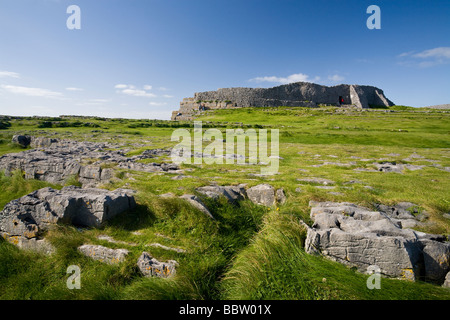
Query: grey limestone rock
(396, 167)
(29, 216)
(360, 237)
(150, 267)
(232, 193)
(263, 194)
(56, 161)
(104, 254)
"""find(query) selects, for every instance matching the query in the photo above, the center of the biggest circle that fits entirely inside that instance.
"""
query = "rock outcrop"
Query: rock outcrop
(359, 237)
(299, 94)
(56, 161)
(232, 193)
(262, 194)
(24, 220)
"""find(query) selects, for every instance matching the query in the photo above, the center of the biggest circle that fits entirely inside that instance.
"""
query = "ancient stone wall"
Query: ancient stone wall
(300, 94)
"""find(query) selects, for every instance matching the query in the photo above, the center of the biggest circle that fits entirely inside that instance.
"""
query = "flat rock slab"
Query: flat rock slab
(360, 237)
(34, 213)
(104, 254)
(321, 181)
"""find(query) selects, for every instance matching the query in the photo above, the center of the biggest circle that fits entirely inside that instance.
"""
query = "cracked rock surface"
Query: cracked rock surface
(360, 237)
(55, 161)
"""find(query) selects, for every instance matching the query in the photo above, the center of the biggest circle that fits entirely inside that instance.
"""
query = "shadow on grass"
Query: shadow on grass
(139, 217)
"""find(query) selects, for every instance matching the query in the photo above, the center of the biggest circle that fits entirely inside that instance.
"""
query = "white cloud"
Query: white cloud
(32, 92)
(438, 53)
(336, 78)
(157, 104)
(93, 102)
(405, 54)
(131, 90)
(163, 89)
(9, 74)
(138, 93)
(296, 77)
(168, 96)
(74, 89)
(426, 58)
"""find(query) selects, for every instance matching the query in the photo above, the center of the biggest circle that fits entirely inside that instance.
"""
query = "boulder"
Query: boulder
(150, 267)
(21, 140)
(104, 254)
(360, 237)
(263, 194)
(31, 215)
(436, 256)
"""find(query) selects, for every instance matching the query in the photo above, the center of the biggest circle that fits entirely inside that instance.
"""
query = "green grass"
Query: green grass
(248, 252)
(15, 186)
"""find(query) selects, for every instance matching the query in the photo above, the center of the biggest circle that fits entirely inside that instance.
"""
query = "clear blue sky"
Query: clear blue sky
(139, 58)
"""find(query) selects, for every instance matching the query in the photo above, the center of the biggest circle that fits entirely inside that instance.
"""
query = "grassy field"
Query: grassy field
(249, 251)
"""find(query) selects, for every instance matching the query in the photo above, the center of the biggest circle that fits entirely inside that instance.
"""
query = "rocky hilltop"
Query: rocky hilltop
(299, 94)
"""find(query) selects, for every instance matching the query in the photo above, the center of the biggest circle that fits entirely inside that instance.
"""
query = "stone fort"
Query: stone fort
(299, 94)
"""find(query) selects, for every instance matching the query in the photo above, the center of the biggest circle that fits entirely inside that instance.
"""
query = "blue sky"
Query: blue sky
(140, 58)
